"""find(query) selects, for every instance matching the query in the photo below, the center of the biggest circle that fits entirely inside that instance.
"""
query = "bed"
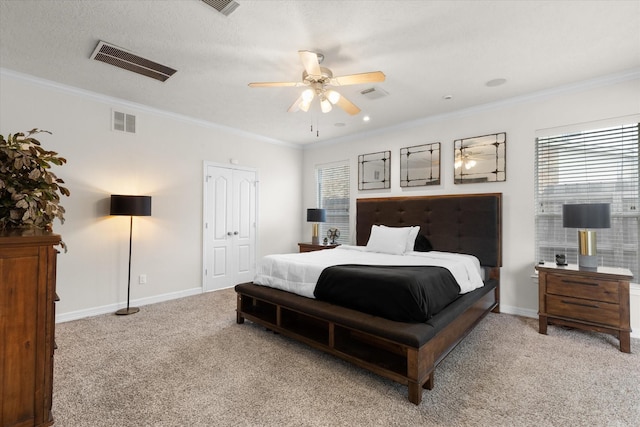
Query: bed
(405, 352)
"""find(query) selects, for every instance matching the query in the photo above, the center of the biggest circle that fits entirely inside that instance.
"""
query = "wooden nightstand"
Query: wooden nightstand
(591, 300)
(310, 247)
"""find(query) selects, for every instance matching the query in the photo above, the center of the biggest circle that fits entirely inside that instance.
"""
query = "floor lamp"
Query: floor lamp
(131, 206)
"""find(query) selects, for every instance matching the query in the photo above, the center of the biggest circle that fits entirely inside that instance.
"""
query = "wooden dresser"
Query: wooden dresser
(595, 300)
(27, 321)
(310, 247)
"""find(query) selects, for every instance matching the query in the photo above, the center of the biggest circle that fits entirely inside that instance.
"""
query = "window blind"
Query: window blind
(333, 194)
(595, 166)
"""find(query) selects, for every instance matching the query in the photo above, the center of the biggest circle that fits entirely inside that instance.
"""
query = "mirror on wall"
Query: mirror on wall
(420, 165)
(480, 159)
(374, 171)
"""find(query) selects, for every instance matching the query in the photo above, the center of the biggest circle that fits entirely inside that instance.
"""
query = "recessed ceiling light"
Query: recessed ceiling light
(496, 82)
(339, 125)
(366, 118)
(447, 97)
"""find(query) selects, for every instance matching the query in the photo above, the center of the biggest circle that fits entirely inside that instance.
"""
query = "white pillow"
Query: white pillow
(411, 239)
(388, 240)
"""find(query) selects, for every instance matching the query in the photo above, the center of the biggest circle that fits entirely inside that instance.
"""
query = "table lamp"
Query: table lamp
(584, 217)
(315, 216)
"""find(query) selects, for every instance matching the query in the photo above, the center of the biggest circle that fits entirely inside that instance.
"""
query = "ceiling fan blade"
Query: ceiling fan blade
(347, 106)
(275, 84)
(353, 79)
(310, 63)
(295, 106)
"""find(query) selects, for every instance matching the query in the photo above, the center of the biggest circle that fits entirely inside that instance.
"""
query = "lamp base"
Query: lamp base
(587, 251)
(130, 310)
(587, 262)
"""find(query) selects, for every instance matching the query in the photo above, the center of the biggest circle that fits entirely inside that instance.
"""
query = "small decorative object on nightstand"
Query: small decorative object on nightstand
(333, 234)
(594, 300)
(310, 247)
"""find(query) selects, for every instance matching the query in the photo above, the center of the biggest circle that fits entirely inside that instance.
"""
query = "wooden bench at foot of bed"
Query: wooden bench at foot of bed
(403, 352)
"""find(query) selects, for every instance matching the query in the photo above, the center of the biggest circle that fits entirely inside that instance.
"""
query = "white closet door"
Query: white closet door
(230, 227)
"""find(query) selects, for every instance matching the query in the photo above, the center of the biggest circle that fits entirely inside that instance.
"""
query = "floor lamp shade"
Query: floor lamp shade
(584, 217)
(130, 206)
(316, 216)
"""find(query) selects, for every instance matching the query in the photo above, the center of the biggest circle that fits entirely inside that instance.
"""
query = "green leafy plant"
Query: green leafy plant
(29, 191)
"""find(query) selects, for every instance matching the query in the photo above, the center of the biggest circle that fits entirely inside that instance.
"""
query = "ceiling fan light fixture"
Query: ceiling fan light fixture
(304, 105)
(325, 105)
(333, 96)
(307, 95)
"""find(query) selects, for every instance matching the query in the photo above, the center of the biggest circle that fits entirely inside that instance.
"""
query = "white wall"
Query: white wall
(165, 160)
(520, 119)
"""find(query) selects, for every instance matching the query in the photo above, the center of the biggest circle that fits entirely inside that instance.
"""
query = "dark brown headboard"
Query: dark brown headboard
(465, 223)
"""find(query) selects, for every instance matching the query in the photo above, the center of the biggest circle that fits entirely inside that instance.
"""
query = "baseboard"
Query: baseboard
(524, 312)
(112, 308)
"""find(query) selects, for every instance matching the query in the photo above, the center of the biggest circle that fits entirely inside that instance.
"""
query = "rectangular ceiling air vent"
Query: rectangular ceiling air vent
(223, 6)
(126, 60)
(123, 122)
(374, 93)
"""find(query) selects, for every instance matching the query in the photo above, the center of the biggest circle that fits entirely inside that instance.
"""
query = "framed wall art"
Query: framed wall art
(420, 165)
(374, 171)
(480, 159)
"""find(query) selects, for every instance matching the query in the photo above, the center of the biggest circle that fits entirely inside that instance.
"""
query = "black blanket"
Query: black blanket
(401, 293)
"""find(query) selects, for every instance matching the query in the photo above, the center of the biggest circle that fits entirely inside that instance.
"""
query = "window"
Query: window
(334, 196)
(596, 166)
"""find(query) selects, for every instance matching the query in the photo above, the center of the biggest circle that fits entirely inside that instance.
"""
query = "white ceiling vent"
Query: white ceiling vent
(126, 60)
(223, 6)
(123, 122)
(374, 93)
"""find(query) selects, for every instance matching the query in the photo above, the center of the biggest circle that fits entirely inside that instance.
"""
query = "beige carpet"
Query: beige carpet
(187, 363)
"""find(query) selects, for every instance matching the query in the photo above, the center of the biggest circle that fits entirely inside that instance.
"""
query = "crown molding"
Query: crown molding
(105, 99)
(607, 80)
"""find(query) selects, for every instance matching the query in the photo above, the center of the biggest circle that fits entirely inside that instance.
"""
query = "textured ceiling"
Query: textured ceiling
(427, 49)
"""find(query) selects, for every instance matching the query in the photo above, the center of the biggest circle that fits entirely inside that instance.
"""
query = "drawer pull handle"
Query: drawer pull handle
(575, 282)
(580, 304)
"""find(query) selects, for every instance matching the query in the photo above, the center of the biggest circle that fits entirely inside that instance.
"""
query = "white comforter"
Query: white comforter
(299, 272)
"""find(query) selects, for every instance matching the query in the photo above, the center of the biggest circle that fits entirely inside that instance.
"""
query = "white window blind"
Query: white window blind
(333, 195)
(596, 166)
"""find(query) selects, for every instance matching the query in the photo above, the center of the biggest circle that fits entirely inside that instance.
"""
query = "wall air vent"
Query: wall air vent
(226, 7)
(126, 60)
(123, 122)
(374, 93)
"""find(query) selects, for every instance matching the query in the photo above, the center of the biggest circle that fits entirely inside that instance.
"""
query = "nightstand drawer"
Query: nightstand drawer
(578, 287)
(582, 309)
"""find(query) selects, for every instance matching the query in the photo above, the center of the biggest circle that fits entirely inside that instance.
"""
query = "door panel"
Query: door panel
(219, 262)
(245, 203)
(230, 227)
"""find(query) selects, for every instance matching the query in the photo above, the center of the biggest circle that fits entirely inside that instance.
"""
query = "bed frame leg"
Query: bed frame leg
(429, 383)
(239, 317)
(415, 393)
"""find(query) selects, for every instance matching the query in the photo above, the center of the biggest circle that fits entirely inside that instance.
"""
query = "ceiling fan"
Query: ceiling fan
(319, 80)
